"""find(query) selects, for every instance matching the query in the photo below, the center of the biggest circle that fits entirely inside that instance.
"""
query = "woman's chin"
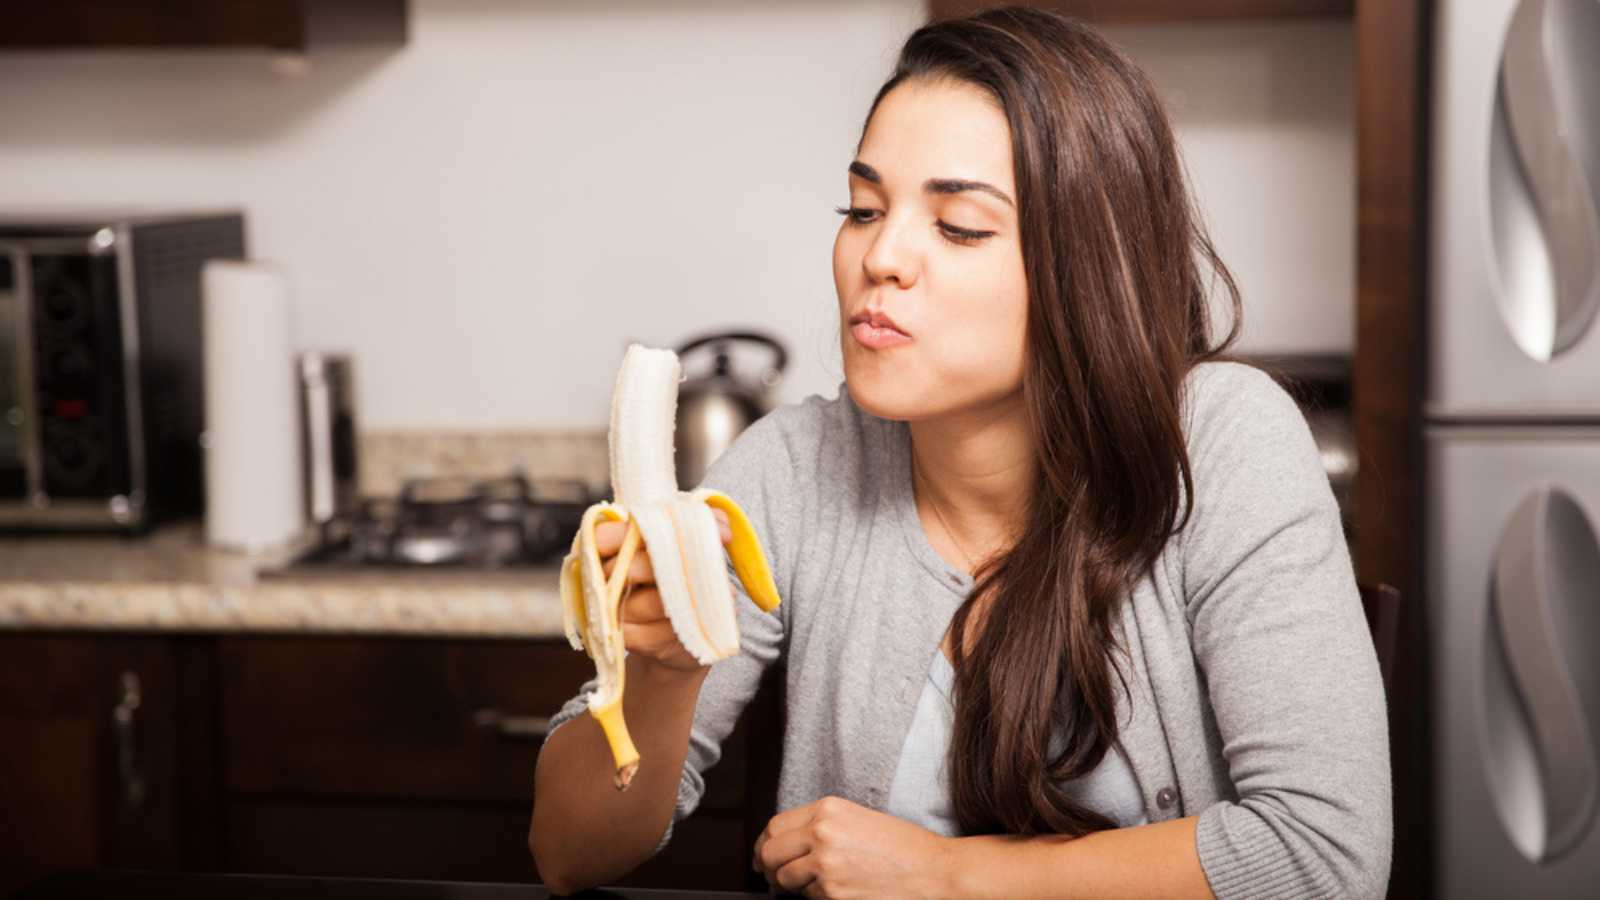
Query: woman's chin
(876, 395)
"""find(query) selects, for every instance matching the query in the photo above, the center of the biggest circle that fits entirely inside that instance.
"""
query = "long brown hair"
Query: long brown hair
(1117, 317)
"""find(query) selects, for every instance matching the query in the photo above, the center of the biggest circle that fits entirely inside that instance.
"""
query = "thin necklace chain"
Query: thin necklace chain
(946, 525)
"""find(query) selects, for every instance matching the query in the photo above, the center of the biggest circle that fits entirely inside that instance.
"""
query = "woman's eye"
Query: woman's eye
(854, 215)
(963, 235)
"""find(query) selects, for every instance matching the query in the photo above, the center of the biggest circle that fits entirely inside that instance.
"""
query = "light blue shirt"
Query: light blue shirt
(920, 792)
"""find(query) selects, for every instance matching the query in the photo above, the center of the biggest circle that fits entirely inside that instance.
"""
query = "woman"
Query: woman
(1067, 606)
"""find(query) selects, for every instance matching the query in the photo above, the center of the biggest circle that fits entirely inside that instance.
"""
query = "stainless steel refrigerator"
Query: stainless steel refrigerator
(1513, 448)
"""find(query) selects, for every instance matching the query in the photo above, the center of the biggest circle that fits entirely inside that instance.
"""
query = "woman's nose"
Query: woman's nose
(891, 257)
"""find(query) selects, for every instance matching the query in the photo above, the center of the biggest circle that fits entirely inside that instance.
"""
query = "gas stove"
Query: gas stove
(452, 523)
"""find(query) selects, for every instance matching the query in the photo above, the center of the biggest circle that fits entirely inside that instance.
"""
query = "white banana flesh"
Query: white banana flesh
(680, 532)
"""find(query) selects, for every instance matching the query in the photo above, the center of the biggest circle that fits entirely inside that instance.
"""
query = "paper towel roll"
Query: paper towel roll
(253, 481)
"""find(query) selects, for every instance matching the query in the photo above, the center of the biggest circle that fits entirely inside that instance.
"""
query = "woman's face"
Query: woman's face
(931, 242)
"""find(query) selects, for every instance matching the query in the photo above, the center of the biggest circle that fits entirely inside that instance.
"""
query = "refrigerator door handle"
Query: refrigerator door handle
(1545, 175)
(1545, 619)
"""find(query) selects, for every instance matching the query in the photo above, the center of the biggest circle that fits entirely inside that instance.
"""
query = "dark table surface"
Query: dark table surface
(106, 884)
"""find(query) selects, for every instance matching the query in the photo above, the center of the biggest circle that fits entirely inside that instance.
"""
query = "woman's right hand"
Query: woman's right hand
(646, 630)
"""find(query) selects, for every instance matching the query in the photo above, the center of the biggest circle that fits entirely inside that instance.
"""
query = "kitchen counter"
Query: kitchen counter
(171, 581)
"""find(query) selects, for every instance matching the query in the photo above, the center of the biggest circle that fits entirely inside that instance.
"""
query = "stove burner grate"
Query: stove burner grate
(456, 522)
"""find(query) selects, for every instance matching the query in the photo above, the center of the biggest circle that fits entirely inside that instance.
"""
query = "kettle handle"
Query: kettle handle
(780, 355)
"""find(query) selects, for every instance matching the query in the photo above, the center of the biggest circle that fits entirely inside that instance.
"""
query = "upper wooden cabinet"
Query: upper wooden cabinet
(286, 25)
(1156, 10)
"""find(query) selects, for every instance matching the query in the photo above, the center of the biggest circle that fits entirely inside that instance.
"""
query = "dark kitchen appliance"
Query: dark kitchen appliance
(452, 523)
(100, 366)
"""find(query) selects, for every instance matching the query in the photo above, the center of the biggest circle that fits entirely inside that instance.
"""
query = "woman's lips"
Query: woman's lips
(875, 338)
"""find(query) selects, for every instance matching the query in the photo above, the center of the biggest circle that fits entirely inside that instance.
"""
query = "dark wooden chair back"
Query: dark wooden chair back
(1381, 602)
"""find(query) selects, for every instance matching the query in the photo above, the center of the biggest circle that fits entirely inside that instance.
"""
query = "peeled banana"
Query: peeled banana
(681, 535)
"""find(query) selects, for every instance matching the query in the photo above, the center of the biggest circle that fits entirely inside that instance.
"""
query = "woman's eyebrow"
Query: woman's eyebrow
(935, 185)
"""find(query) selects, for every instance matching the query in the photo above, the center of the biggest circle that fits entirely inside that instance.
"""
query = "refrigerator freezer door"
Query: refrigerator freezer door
(1515, 261)
(1514, 611)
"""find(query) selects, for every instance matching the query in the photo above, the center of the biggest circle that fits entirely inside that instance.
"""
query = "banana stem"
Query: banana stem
(623, 752)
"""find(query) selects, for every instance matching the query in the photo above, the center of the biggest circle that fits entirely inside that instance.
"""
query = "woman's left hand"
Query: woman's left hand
(837, 849)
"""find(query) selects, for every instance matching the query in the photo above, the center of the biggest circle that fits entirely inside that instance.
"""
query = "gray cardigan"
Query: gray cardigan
(1255, 703)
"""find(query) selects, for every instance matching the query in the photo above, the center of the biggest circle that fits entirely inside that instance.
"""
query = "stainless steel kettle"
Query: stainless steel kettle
(714, 408)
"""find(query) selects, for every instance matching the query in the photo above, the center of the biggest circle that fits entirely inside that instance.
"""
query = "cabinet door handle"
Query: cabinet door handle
(519, 728)
(124, 725)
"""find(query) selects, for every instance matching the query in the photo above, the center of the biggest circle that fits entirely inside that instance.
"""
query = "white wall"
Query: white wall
(1265, 114)
(485, 216)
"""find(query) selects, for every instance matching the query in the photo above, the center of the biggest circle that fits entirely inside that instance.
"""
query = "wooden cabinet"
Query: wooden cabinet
(289, 25)
(48, 714)
(403, 719)
(105, 755)
(395, 758)
(416, 758)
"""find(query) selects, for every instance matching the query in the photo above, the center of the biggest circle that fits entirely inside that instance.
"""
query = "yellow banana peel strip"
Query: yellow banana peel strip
(680, 532)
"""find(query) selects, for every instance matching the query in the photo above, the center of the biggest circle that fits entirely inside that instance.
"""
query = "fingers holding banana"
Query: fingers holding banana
(646, 627)
(608, 537)
(640, 572)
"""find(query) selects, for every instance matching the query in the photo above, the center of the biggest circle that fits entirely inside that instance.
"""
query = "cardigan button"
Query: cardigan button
(1166, 797)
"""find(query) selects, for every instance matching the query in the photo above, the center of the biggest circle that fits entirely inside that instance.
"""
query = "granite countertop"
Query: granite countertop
(170, 581)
